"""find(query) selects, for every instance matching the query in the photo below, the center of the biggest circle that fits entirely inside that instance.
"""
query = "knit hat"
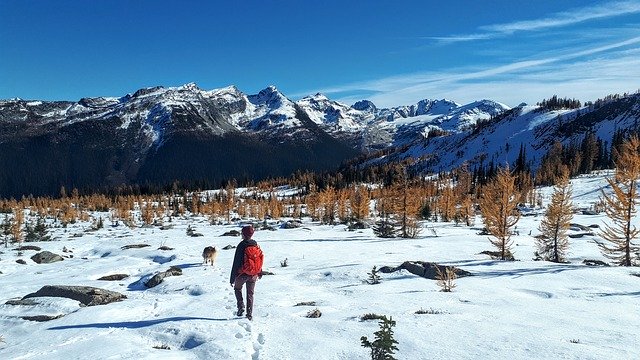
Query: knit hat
(247, 232)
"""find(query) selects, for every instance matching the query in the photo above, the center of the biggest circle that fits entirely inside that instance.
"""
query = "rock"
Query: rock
(313, 314)
(424, 269)
(134, 246)
(21, 261)
(159, 277)
(114, 277)
(496, 255)
(358, 225)
(27, 247)
(165, 248)
(231, 233)
(264, 272)
(23, 302)
(42, 318)
(591, 262)
(291, 224)
(166, 227)
(87, 295)
(228, 247)
(46, 257)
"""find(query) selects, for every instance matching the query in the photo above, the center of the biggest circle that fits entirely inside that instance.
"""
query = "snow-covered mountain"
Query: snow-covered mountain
(186, 133)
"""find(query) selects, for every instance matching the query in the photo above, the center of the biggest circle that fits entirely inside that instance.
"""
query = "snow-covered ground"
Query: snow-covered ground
(508, 310)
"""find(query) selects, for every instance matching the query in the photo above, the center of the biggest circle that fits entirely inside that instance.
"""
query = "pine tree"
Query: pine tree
(374, 277)
(498, 206)
(552, 243)
(620, 206)
(384, 345)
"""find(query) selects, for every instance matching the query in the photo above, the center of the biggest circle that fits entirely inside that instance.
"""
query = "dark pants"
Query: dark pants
(251, 285)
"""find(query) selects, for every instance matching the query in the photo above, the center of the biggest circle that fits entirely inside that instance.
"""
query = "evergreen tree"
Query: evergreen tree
(37, 232)
(374, 277)
(384, 345)
(620, 206)
(552, 243)
(498, 205)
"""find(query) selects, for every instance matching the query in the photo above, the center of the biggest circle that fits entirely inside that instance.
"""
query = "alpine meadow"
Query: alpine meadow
(359, 180)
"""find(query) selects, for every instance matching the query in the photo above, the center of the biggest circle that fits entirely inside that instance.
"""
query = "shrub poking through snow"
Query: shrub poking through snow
(306, 303)
(384, 345)
(285, 262)
(371, 316)
(374, 278)
(446, 279)
(429, 311)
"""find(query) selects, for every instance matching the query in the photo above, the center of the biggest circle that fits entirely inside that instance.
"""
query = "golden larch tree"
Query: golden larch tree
(360, 200)
(553, 241)
(620, 206)
(498, 205)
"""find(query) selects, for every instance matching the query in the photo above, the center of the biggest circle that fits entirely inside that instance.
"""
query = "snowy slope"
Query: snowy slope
(507, 310)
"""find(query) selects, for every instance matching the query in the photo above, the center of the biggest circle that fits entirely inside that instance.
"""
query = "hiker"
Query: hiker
(246, 269)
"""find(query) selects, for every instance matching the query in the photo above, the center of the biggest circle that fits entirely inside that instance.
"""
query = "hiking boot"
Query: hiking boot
(240, 312)
(249, 317)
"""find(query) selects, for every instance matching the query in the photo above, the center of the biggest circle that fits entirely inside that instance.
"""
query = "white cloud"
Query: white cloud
(565, 18)
(585, 74)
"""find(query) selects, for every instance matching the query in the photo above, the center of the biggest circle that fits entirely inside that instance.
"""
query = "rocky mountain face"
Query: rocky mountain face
(160, 135)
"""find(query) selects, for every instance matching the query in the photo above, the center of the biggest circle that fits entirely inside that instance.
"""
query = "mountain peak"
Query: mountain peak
(364, 105)
(192, 86)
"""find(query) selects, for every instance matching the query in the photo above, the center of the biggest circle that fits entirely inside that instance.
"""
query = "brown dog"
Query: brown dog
(209, 254)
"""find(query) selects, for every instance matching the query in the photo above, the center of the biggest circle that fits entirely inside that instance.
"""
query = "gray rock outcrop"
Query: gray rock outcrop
(86, 295)
(46, 257)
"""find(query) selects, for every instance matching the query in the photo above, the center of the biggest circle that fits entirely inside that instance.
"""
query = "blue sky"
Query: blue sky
(391, 52)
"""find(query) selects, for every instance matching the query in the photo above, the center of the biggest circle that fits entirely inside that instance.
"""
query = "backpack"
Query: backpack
(252, 263)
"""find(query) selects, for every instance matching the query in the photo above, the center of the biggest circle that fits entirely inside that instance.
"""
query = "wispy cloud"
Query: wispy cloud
(576, 74)
(560, 19)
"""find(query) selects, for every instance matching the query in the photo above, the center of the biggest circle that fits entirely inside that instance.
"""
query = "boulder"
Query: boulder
(22, 302)
(228, 247)
(86, 295)
(46, 257)
(42, 318)
(592, 262)
(159, 277)
(27, 247)
(291, 224)
(424, 269)
(134, 246)
(114, 277)
(231, 233)
(497, 255)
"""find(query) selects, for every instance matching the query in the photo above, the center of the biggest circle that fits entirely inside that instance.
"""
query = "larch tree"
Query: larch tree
(360, 203)
(498, 205)
(553, 241)
(620, 206)
(16, 225)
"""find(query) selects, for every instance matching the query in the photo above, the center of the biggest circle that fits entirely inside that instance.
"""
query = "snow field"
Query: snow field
(508, 310)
